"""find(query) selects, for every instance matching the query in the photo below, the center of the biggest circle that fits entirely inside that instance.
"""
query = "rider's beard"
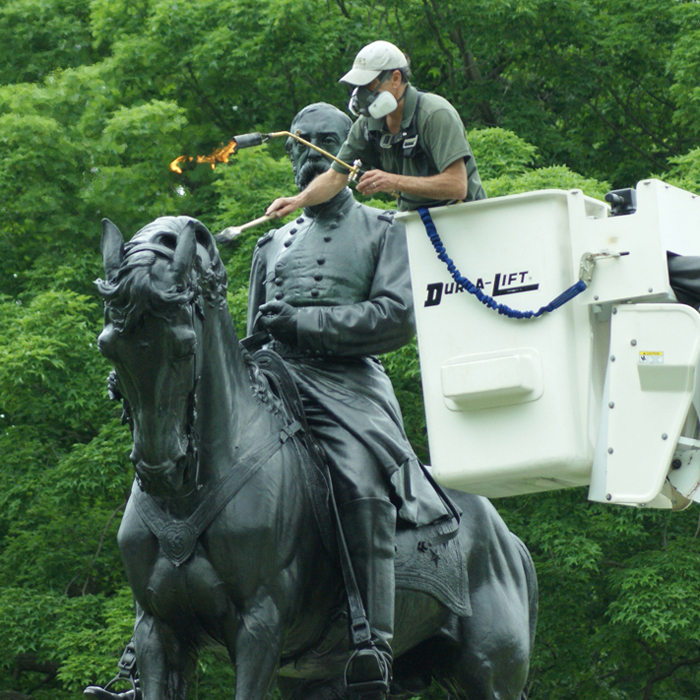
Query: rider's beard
(309, 171)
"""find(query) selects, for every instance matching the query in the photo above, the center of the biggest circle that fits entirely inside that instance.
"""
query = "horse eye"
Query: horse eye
(169, 240)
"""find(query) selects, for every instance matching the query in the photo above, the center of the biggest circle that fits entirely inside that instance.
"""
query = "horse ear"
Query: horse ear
(184, 253)
(112, 247)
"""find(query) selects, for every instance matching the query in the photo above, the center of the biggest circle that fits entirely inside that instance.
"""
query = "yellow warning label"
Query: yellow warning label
(647, 357)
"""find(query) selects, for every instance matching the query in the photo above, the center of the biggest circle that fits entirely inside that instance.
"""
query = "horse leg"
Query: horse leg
(491, 660)
(255, 649)
(165, 662)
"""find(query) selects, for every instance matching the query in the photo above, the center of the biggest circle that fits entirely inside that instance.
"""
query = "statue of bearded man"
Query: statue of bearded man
(333, 290)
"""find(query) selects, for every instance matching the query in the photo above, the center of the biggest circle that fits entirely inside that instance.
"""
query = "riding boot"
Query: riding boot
(369, 525)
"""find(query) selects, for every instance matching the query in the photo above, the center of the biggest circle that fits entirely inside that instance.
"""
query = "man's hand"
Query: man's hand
(280, 320)
(374, 181)
(283, 206)
(451, 183)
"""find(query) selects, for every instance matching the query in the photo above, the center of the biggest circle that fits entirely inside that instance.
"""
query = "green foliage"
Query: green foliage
(615, 591)
(553, 177)
(500, 153)
(685, 171)
(40, 36)
(47, 352)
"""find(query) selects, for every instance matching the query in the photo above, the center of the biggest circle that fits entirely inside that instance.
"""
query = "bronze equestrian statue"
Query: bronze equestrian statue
(226, 538)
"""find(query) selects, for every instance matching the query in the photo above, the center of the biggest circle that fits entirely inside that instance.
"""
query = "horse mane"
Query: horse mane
(137, 288)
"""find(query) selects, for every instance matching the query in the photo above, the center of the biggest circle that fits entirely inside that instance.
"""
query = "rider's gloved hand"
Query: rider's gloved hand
(280, 320)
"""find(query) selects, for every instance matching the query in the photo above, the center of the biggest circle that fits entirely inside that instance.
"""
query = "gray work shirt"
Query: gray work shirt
(441, 137)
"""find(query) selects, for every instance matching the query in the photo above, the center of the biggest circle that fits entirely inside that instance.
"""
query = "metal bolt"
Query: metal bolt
(614, 310)
(676, 464)
(596, 297)
(610, 450)
(612, 358)
(633, 343)
(608, 497)
(651, 289)
(664, 436)
(611, 404)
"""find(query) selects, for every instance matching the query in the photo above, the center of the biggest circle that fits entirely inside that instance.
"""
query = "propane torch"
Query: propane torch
(221, 155)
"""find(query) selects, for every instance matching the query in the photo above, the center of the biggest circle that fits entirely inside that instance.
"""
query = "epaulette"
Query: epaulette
(266, 238)
(387, 215)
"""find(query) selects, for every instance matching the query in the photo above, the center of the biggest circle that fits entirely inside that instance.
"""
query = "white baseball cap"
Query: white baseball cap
(372, 60)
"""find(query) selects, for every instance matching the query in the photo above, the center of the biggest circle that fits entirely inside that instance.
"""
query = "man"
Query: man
(333, 290)
(413, 142)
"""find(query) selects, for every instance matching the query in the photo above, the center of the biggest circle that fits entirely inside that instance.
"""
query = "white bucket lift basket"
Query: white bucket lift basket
(604, 390)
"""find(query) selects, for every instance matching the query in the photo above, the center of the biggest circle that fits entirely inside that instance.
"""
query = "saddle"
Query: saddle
(428, 557)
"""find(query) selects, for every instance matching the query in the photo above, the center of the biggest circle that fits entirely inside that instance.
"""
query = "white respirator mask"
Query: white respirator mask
(372, 103)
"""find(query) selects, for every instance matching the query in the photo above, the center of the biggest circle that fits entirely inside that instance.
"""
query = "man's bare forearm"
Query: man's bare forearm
(321, 189)
(451, 183)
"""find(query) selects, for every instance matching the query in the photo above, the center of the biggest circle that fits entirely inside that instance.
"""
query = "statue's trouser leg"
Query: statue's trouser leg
(369, 525)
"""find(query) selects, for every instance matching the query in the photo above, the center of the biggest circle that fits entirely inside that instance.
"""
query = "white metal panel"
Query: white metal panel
(654, 352)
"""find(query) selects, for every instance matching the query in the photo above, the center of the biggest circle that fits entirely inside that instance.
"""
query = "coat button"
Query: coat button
(318, 276)
(300, 220)
(314, 293)
(327, 239)
(279, 296)
(287, 243)
(279, 281)
(292, 231)
(321, 261)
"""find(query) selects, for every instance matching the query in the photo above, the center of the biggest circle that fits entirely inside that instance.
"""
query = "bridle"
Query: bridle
(195, 314)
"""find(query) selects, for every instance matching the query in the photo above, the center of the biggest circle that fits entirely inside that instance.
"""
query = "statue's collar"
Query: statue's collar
(333, 207)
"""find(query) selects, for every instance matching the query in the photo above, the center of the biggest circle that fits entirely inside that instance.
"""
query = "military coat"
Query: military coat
(345, 268)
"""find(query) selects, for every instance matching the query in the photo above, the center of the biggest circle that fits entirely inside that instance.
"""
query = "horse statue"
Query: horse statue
(224, 536)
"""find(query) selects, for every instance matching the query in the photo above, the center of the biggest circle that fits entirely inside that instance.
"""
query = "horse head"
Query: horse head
(156, 290)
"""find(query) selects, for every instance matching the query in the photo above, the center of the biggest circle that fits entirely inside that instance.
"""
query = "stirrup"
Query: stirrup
(368, 673)
(94, 691)
(127, 672)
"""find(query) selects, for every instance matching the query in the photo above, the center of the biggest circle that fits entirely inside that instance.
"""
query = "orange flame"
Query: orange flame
(220, 155)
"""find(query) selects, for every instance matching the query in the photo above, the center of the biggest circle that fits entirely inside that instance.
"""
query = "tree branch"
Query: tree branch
(662, 675)
(97, 554)
(632, 116)
(218, 118)
(622, 138)
(100, 543)
(343, 9)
